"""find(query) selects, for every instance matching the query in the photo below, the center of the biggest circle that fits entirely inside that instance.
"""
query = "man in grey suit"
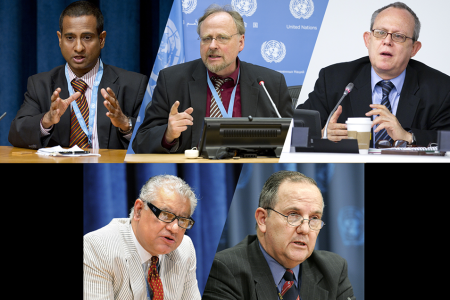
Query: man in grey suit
(146, 256)
(217, 85)
(280, 261)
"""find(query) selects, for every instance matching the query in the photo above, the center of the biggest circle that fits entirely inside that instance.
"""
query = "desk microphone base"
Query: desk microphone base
(325, 145)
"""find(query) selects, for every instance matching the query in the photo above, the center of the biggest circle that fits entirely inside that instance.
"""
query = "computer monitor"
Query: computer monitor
(244, 137)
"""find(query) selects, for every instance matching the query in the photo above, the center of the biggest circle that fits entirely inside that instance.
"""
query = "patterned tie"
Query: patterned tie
(77, 135)
(387, 86)
(214, 111)
(155, 281)
(289, 291)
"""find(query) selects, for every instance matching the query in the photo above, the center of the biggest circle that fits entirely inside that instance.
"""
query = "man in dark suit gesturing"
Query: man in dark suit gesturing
(280, 261)
(85, 102)
(217, 85)
(407, 100)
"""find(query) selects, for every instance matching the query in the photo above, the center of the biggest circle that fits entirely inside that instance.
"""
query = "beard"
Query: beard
(216, 67)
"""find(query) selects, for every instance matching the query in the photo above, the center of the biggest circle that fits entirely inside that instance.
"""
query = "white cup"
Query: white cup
(360, 129)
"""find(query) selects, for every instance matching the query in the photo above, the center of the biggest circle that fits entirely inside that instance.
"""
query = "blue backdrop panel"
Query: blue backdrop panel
(110, 190)
(342, 187)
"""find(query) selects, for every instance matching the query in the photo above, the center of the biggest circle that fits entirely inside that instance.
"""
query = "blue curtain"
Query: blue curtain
(342, 187)
(110, 191)
(30, 45)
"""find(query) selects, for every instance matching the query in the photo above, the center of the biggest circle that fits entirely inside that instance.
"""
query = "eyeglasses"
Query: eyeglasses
(221, 39)
(169, 217)
(396, 37)
(297, 220)
(387, 144)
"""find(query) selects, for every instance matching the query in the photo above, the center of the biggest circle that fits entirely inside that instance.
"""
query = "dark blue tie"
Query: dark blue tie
(289, 291)
(386, 86)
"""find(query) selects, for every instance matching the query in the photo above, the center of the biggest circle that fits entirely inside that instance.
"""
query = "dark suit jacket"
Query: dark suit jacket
(241, 272)
(424, 105)
(129, 88)
(187, 83)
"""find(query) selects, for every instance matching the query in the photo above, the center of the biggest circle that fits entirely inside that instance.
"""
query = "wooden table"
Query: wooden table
(10, 154)
(180, 158)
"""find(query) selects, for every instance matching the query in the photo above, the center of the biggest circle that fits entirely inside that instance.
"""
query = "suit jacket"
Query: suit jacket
(112, 267)
(24, 132)
(424, 106)
(187, 83)
(241, 272)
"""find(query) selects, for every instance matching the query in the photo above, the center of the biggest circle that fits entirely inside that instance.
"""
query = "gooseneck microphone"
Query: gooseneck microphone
(348, 89)
(261, 83)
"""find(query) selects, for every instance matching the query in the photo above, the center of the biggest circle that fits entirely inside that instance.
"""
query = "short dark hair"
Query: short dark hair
(82, 8)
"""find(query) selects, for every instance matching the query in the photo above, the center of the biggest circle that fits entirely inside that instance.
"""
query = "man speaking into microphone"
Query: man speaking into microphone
(406, 99)
(217, 85)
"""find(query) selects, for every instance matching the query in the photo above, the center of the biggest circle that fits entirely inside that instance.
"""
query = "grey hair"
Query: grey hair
(269, 192)
(150, 190)
(215, 8)
(399, 5)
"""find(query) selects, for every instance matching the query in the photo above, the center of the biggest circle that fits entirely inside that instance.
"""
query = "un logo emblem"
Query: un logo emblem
(244, 7)
(351, 225)
(301, 8)
(169, 53)
(273, 51)
(188, 6)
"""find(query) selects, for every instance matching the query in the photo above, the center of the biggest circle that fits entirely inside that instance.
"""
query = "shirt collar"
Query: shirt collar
(233, 75)
(89, 77)
(397, 81)
(277, 269)
(143, 254)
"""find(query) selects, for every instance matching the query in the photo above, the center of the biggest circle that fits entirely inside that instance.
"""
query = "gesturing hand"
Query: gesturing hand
(336, 131)
(57, 108)
(115, 114)
(178, 122)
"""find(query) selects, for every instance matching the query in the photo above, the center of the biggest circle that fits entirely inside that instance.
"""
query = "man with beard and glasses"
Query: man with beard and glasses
(187, 93)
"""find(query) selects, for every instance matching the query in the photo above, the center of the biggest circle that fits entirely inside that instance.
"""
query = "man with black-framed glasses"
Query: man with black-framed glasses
(146, 256)
(406, 99)
(280, 261)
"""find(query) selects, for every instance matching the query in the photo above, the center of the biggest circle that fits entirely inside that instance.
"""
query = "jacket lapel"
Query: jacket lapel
(62, 129)
(197, 94)
(135, 271)
(249, 92)
(309, 287)
(104, 125)
(408, 102)
(361, 95)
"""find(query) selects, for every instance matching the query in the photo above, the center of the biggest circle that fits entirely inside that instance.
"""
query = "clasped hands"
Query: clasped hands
(385, 120)
(58, 107)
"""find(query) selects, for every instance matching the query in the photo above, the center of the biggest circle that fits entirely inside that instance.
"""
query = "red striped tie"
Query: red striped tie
(155, 281)
(214, 111)
(77, 135)
(289, 291)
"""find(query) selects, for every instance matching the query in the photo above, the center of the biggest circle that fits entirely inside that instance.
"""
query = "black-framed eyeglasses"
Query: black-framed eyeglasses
(388, 144)
(396, 36)
(221, 39)
(169, 217)
(297, 220)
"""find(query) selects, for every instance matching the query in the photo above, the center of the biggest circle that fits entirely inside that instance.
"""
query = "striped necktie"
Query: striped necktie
(77, 135)
(154, 280)
(214, 111)
(289, 291)
(386, 86)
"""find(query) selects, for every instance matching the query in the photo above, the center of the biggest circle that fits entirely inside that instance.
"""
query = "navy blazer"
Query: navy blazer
(424, 105)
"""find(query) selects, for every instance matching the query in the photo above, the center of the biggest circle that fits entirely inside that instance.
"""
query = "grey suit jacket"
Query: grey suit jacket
(241, 272)
(112, 267)
(24, 132)
(187, 84)
(424, 106)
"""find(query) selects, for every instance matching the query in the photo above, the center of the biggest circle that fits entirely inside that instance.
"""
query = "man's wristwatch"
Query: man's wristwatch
(413, 141)
(129, 130)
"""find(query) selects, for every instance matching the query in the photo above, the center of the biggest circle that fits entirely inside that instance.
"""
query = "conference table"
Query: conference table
(9, 154)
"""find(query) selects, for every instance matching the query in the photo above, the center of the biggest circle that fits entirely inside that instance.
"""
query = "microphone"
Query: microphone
(348, 89)
(4, 114)
(261, 83)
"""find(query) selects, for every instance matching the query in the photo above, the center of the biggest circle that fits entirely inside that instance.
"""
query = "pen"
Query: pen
(70, 152)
